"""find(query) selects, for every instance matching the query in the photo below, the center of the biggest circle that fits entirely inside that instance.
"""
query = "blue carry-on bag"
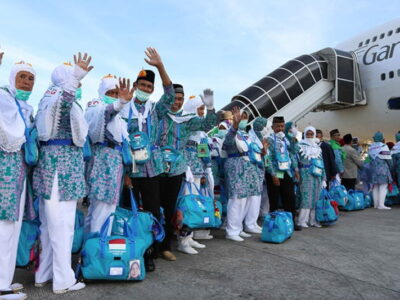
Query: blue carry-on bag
(78, 232)
(338, 193)
(368, 201)
(28, 244)
(113, 257)
(278, 227)
(355, 202)
(324, 211)
(198, 210)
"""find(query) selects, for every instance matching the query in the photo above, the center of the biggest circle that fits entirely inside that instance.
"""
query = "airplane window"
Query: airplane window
(398, 72)
(390, 32)
(360, 44)
(383, 76)
(382, 36)
(367, 41)
(391, 74)
(374, 38)
(398, 30)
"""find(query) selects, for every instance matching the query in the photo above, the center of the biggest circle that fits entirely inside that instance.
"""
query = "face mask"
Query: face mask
(264, 132)
(78, 94)
(290, 135)
(108, 100)
(294, 131)
(142, 96)
(22, 95)
(316, 140)
(280, 134)
(242, 124)
(222, 133)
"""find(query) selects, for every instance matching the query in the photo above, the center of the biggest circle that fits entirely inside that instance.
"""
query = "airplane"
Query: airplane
(354, 87)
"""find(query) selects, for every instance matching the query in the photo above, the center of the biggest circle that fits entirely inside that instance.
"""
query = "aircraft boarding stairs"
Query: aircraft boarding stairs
(326, 80)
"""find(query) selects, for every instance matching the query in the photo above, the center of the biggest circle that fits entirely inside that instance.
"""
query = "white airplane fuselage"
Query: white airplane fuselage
(378, 54)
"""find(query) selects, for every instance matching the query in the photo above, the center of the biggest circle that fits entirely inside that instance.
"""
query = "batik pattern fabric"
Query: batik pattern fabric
(67, 161)
(243, 178)
(380, 171)
(310, 185)
(176, 135)
(396, 166)
(13, 172)
(275, 143)
(104, 175)
(154, 166)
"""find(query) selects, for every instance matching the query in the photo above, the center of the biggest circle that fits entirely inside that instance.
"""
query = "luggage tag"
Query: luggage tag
(280, 174)
(203, 150)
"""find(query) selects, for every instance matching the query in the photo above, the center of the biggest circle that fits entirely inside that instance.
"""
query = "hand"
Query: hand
(297, 176)
(275, 181)
(324, 184)
(189, 175)
(82, 67)
(154, 59)
(127, 181)
(83, 62)
(125, 92)
(237, 117)
(208, 98)
(1, 56)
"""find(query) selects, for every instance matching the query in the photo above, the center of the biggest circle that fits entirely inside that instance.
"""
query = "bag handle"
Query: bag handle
(20, 112)
(158, 230)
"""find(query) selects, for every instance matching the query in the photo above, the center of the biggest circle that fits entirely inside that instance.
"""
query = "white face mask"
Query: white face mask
(294, 131)
(316, 140)
(280, 134)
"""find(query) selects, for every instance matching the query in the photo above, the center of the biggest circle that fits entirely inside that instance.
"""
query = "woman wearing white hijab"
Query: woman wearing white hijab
(312, 177)
(59, 179)
(106, 131)
(13, 170)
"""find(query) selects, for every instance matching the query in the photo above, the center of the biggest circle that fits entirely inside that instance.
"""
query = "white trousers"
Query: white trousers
(264, 202)
(9, 237)
(98, 213)
(236, 209)
(379, 194)
(306, 216)
(251, 212)
(57, 233)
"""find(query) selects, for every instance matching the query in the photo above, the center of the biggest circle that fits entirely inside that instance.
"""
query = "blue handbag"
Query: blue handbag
(339, 193)
(87, 150)
(28, 244)
(355, 201)
(368, 201)
(113, 257)
(317, 167)
(31, 149)
(255, 153)
(198, 210)
(278, 226)
(78, 232)
(143, 223)
(126, 152)
(140, 142)
(324, 211)
(170, 157)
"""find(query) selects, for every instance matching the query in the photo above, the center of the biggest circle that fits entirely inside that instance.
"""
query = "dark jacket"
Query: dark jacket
(329, 160)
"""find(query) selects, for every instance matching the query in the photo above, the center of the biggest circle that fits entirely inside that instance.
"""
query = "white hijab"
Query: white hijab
(48, 116)
(396, 148)
(12, 126)
(95, 115)
(375, 148)
(309, 148)
(189, 110)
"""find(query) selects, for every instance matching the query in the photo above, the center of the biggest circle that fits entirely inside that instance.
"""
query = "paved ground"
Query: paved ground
(358, 258)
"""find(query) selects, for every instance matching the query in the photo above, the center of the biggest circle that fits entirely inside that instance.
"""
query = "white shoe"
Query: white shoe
(16, 286)
(304, 225)
(42, 284)
(258, 227)
(194, 244)
(76, 287)
(384, 207)
(244, 235)
(316, 225)
(235, 238)
(202, 235)
(186, 249)
(14, 296)
(254, 230)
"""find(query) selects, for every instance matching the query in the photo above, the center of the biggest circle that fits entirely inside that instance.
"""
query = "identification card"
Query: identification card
(206, 220)
(203, 150)
(283, 165)
(280, 174)
(116, 271)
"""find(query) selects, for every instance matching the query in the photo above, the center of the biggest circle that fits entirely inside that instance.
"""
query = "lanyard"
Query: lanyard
(148, 121)
(20, 112)
(284, 143)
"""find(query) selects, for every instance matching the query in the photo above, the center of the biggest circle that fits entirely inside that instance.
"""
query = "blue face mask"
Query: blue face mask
(243, 124)
(222, 133)
(22, 95)
(142, 96)
(78, 94)
(108, 100)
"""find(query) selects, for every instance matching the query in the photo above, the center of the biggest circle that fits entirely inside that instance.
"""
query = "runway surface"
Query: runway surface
(358, 258)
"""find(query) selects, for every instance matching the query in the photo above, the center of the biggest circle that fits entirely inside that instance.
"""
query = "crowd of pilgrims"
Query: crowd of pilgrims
(287, 173)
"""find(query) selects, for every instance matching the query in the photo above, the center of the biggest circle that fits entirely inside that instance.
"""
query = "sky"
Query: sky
(225, 45)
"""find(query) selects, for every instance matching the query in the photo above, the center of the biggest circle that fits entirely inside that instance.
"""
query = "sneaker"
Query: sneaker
(316, 225)
(299, 228)
(304, 225)
(186, 249)
(384, 207)
(76, 287)
(202, 235)
(149, 264)
(168, 255)
(195, 244)
(42, 284)
(10, 295)
(244, 235)
(235, 238)
(253, 230)
(16, 287)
